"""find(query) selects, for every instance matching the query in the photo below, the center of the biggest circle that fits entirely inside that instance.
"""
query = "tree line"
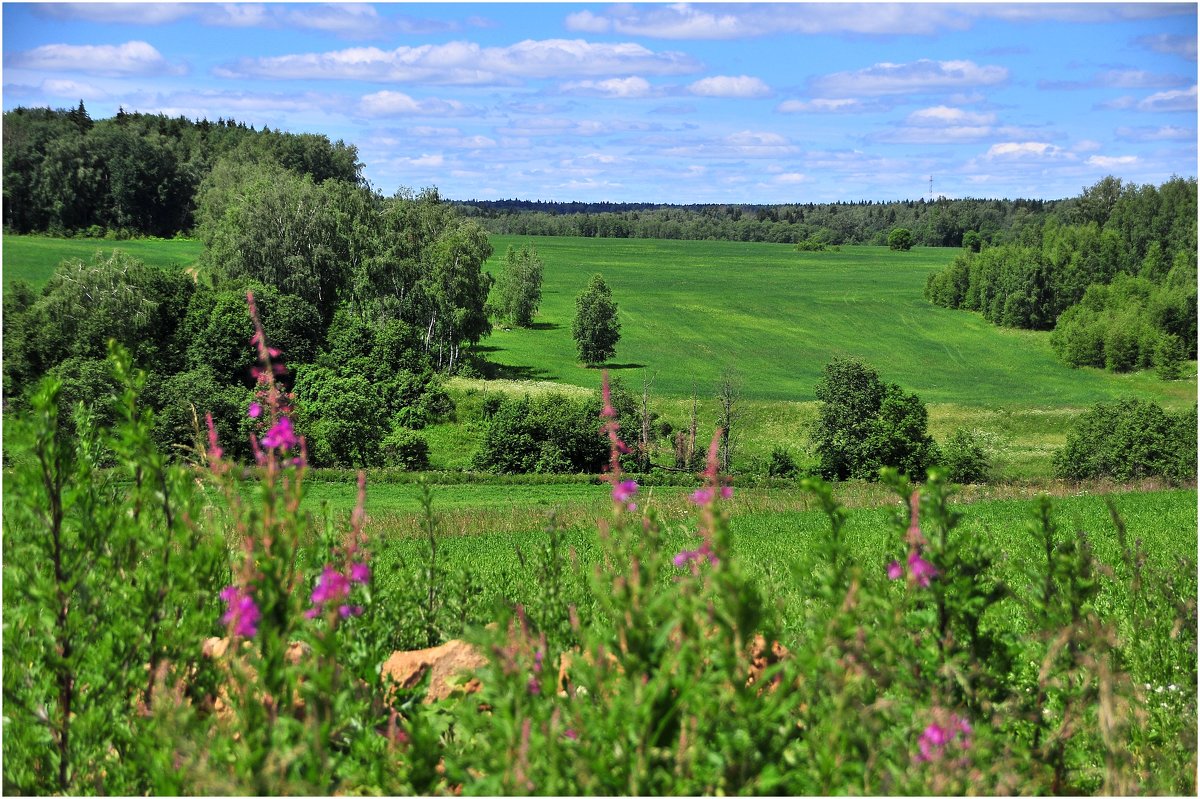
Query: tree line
(137, 174)
(933, 223)
(1112, 273)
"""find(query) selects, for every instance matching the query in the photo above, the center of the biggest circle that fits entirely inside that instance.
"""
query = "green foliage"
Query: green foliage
(546, 433)
(518, 290)
(108, 591)
(596, 329)
(1129, 439)
(405, 449)
(782, 464)
(964, 459)
(900, 239)
(865, 424)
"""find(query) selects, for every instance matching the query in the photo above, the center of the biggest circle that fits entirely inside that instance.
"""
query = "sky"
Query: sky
(650, 102)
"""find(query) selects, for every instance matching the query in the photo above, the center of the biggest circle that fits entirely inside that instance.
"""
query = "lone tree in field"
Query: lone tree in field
(900, 238)
(596, 328)
(865, 424)
(518, 290)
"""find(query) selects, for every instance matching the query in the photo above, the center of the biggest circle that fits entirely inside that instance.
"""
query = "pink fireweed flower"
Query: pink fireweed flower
(360, 573)
(242, 613)
(702, 496)
(894, 570)
(346, 611)
(935, 738)
(332, 585)
(704, 552)
(920, 569)
(624, 491)
(254, 411)
(570, 733)
(281, 436)
(726, 492)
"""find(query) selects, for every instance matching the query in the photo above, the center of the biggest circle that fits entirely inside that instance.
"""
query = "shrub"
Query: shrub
(547, 433)
(405, 449)
(900, 238)
(865, 424)
(964, 458)
(782, 464)
(1129, 439)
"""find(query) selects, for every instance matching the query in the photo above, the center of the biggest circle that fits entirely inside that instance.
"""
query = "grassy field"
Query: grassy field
(33, 258)
(691, 309)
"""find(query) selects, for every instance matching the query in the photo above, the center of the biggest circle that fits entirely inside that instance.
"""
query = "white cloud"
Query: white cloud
(587, 22)
(388, 103)
(70, 88)
(740, 86)
(113, 60)
(466, 63)
(1170, 44)
(1086, 146)
(355, 20)
(630, 87)
(121, 13)
(1163, 133)
(823, 105)
(919, 76)
(791, 178)
(1107, 161)
(1024, 150)
(945, 115)
(1174, 100)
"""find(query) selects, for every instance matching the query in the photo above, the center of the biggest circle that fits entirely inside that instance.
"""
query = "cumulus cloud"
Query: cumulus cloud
(824, 105)
(945, 115)
(71, 88)
(1170, 44)
(110, 60)
(1150, 133)
(1174, 100)
(1117, 79)
(745, 20)
(388, 103)
(791, 178)
(914, 77)
(466, 63)
(1024, 151)
(1110, 161)
(740, 86)
(632, 86)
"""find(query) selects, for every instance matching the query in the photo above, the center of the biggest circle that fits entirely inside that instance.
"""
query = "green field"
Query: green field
(33, 258)
(690, 309)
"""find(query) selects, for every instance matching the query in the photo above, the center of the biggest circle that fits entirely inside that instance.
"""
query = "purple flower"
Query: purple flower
(360, 573)
(242, 614)
(570, 733)
(921, 569)
(934, 738)
(255, 410)
(624, 491)
(726, 492)
(684, 557)
(703, 553)
(894, 571)
(332, 585)
(281, 436)
(702, 496)
(345, 611)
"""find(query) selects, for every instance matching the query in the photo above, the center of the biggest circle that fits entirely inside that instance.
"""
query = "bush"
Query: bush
(900, 238)
(547, 433)
(865, 424)
(405, 449)
(1127, 440)
(782, 464)
(964, 458)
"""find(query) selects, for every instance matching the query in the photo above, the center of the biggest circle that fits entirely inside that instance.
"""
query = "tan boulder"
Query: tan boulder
(453, 659)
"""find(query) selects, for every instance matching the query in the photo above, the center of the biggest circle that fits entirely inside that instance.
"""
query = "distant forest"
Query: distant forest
(933, 223)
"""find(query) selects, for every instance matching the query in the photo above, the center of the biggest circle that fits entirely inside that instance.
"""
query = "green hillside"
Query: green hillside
(690, 309)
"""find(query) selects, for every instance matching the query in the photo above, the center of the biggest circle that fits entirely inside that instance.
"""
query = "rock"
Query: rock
(442, 663)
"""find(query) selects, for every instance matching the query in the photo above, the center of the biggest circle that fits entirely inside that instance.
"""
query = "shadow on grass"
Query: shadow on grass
(545, 326)
(503, 371)
(622, 366)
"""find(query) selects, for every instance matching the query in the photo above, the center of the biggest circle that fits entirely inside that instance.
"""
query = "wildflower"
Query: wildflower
(935, 737)
(345, 611)
(281, 435)
(332, 585)
(242, 613)
(894, 571)
(702, 496)
(570, 733)
(726, 492)
(624, 490)
(360, 573)
(687, 556)
(254, 411)
(920, 569)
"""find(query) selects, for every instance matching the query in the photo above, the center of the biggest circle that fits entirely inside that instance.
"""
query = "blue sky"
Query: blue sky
(679, 103)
